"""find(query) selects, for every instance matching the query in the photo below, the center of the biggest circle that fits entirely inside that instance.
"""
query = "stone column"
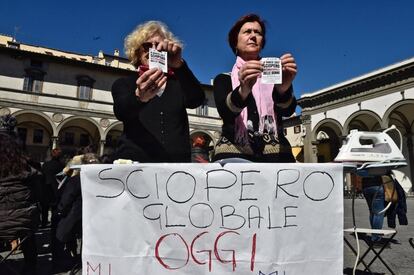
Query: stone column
(409, 137)
(54, 142)
(102, 147)
(308, 147)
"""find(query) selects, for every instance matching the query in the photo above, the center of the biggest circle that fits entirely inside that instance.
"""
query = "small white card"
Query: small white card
(272, 70)
(161, 91)
(158, 60)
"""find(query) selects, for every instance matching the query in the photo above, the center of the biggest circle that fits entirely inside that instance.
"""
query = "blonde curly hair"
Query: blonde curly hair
(141, 34)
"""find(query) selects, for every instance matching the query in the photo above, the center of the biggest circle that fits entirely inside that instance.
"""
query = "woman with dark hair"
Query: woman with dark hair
(251, 110)
(18, 213)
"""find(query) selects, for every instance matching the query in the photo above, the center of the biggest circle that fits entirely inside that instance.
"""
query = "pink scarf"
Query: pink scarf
(262, 94)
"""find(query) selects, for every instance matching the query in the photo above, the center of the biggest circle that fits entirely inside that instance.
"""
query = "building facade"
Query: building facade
(371, 102)
(63, 99)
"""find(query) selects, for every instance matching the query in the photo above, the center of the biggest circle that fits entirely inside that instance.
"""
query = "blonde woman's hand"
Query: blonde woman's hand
(174, 51)
(149, 83)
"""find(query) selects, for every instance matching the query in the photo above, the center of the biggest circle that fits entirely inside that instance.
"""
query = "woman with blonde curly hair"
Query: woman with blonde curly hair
(152, 104)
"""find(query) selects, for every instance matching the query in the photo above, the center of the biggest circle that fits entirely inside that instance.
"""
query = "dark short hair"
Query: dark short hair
(234, 31)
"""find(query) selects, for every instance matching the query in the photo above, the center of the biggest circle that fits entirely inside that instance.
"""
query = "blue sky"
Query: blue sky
(332, 41)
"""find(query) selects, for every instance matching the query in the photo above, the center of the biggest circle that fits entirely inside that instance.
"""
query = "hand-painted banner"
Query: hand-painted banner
(240, 218)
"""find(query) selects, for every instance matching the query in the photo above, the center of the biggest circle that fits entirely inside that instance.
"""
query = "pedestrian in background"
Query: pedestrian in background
(50, 169)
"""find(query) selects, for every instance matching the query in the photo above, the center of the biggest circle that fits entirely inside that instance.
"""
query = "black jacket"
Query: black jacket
(158, 130)
(18, 213)
(398, 209)
(50, 169)
(284, 106)
(70, 210)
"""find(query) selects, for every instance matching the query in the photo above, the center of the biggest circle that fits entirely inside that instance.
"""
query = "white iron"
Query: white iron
(372, 150)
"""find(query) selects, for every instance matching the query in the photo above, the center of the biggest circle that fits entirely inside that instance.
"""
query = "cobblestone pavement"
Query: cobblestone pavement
(399, 255)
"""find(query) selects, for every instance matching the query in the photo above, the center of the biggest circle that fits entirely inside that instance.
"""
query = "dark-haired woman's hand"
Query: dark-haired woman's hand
(289, 70)
(248, 75)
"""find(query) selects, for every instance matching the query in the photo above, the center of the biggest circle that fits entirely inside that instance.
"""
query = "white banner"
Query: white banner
(270, 219)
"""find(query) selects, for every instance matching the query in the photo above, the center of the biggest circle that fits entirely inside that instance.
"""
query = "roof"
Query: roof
(121, 62)
(400, 71)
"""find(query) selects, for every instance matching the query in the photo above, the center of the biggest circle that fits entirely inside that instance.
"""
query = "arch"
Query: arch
(77, 132)
(327, 136)
(402, 116)
(203, 132)
(35, 130)
(202, 145)
(69, 119)
(364, 120)
(111, 136)
(407, 116)
(114, 125)
(326, 121)
(38, 113)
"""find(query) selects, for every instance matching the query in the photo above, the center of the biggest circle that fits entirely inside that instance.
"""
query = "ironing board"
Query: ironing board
(387, 234)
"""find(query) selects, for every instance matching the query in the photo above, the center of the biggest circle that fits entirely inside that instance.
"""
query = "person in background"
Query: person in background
(373, 191)
(152, 104)
(252, 111)
(19, 216)
(50, 169)
(200, 152)
(38, 187)
(69, 207)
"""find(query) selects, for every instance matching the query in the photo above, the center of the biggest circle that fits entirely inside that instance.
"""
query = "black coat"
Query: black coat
(18, 214)
(158, 130)
(50, 169)
(398, 209)
(70, 210)
(284, 106)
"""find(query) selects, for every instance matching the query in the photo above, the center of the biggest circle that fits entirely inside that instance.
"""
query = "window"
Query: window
(297, 129)
(33, 80)
(22, 132)
(85, 84)
(38, 136)
(203, 109)
(84, 140)
(69, 138)
(85, 92)
(32, 85)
